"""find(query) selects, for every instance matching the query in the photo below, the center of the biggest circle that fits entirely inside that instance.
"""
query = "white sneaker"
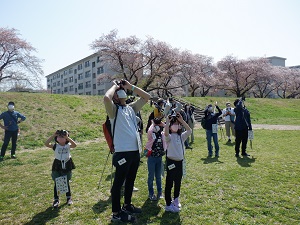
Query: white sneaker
(172, 208)
(177, 203)
(135, 189)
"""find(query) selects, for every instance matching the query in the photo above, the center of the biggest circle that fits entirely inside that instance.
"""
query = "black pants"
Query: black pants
(241, 136)
(68, 194)
(174, 175)
(13, 135)
(126, 164)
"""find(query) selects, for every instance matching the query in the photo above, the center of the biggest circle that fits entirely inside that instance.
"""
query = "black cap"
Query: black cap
(11, 103)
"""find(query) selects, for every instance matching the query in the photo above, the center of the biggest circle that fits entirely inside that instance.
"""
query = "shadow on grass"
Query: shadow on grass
(170, 218)
(102, 205)
(45, 216)
(245, 161)
(150, 209)
(211, 160)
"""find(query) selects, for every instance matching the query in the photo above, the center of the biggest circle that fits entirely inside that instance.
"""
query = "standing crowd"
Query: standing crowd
(169, 133)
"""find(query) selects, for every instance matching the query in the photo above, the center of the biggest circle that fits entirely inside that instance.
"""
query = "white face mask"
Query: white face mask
(121, 94)
(156, 129)
(11, 107)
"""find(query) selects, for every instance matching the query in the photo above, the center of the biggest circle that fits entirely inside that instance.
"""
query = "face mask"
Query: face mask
(210, 109)
(121, 94)
(175, 128)
(11, 107)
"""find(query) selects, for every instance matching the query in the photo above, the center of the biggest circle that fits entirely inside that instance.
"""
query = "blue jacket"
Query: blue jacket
(11, 119)
(242, 117)
(212, 118)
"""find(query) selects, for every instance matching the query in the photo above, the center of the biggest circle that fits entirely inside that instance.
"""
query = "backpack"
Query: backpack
(203, 122)
(108, 133)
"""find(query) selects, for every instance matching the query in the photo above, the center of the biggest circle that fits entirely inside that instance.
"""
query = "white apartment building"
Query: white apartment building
(80, 78)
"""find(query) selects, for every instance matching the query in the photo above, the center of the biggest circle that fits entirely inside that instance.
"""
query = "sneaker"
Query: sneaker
(13, 156)
(55, 203)
(69, 201)
(135, 189)
(245, 154)
(177, 203)
(160, 196)
(171, 208)
(188, 147)
(131, 209)
(122, 217)
(152, 197)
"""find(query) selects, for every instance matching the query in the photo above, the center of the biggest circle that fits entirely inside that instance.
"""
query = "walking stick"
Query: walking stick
(103, 170)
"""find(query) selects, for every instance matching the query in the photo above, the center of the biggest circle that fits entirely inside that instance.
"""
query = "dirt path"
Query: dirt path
(268, 127)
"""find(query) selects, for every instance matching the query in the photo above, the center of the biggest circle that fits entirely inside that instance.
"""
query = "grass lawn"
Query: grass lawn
(261, 189)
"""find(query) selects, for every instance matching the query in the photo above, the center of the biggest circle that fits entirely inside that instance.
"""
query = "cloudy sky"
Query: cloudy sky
(62, 30)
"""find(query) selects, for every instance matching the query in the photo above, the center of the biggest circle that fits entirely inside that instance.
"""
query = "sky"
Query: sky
(63, 30)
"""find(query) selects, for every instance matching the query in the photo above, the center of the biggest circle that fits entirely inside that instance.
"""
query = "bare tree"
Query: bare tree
(16, 60)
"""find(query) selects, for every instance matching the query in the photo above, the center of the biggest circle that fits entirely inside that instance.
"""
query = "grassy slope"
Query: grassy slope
(84, 115)
(263, 189)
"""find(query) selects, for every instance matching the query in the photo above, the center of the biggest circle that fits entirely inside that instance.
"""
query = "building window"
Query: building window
(70, 70)
(101, 92)
(88, 84)
(100, 70)
(87, 64)
(87, 74)
(57, 76)
(65, 72)
(94, 75)
(88, 93)
(70, 79)
(80, 76)
(93, 64)
(53, 78)
(65, 89)
(65, 80)
(98, 59)
(75, 90)
(58, 83)
(75, 81)
(75, 71)
(80, 67)
(54, 91)
(71, 88)
(58, 91)
(94, 86)
(80, 86)
(61, 77)
(54, 84)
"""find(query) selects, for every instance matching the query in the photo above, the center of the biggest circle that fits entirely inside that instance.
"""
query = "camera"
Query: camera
(157, 121)
(123, 82)
(61, 132)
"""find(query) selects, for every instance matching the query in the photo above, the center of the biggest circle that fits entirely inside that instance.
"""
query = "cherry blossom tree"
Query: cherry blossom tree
(122, 54)
(288, 82)
(17, 63)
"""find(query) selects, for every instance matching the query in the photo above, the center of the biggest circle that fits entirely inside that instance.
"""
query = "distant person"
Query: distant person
(11, 120)
(242, 125)
(189, 111)
(63, 163)
(156, 149)
(158, 112)
(211, 128)
(127, 146)
(174, 138)
(229, 116)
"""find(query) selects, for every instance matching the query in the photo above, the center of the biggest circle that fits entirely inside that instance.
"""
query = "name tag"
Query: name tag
(172, 166)
(122, 161)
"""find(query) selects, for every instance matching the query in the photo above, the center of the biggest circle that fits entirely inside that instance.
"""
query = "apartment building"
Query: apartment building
(80, 78)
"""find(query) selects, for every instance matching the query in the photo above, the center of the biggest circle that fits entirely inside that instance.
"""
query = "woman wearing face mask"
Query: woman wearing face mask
(212, 120)
(174, 138)
(63, 163)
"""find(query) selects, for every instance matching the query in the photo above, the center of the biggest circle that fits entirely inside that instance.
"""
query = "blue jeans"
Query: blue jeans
(209, 135)
(13, 135)
(154, 168)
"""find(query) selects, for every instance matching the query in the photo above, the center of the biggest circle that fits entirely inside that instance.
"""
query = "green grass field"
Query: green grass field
(261, 189)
